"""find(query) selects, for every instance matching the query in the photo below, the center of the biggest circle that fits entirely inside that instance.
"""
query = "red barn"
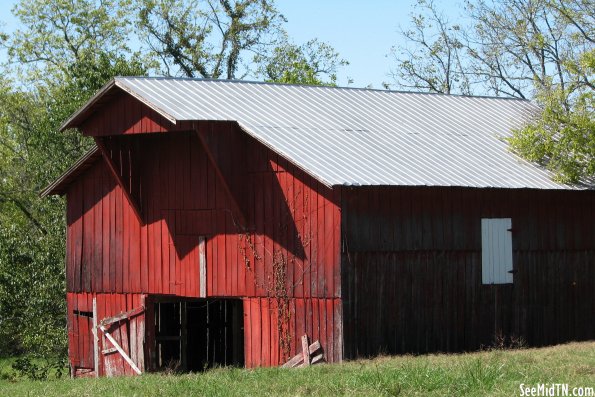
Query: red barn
(216, 222)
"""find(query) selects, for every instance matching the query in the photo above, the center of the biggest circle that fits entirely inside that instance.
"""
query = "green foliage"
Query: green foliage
(230, 39)
(66, 51)
(313, 63)
(41, 368)
(31, 286)
(54, 35)
(563, 140)
(31, 235)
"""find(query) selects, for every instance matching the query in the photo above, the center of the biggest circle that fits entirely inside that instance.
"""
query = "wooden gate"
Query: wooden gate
(106, 334)
(120, 341)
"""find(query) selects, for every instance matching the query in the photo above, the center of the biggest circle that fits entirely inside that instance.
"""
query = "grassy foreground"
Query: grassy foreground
(493, 373)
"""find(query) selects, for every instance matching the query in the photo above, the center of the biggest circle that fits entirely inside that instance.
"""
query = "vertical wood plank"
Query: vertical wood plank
(265, 331)
(256, 332)
(202, 267)
(248, 360)
(97, 258)
(95, 339)
(305, 350)
(322, 249)
(209, 269)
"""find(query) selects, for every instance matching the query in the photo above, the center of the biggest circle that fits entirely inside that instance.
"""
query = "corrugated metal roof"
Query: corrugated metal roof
(347, 136)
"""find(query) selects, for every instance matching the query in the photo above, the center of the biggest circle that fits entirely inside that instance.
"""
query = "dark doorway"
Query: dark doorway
(197, 334)
(215, 334)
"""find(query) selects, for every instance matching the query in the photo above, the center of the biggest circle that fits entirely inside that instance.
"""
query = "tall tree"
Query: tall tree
(32, 153)
(563, 137)
(432, 55)
(55, 35)
(61, 54)
(507, 47)
(519, 47)
(208, 38)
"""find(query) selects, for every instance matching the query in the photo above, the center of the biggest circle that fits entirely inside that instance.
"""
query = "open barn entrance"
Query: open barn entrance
(197, 334)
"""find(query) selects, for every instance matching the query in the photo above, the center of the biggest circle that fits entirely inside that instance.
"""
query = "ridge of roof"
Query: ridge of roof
(268, 83)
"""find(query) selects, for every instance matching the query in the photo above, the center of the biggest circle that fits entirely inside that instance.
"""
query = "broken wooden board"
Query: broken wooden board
(122, 316)
(84, 373)
(125, 356)
(308, 356)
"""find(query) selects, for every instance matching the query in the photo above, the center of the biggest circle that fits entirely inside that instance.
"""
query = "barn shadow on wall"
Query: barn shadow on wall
(173, 185)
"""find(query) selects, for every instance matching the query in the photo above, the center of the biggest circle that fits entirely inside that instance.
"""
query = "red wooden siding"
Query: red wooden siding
(125, 115)
(80, 338)
(181, 199)
(128, 333)
(412, 270)
(257, 217)
(320, 319)
(107, 244)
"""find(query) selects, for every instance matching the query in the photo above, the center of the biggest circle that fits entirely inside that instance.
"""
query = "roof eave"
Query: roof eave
(58, 187)
(86, 110)
(74, 120)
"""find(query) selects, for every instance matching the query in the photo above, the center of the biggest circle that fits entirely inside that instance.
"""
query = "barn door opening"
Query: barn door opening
(197, 334)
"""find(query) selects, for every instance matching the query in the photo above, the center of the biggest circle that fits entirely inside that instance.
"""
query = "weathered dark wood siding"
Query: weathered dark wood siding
(411, 267)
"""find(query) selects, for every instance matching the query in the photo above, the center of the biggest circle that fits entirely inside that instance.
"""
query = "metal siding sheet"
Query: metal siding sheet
(345, 136)
(496, 254)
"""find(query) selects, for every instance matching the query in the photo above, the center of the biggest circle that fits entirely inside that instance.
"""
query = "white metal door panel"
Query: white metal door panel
(496, 255)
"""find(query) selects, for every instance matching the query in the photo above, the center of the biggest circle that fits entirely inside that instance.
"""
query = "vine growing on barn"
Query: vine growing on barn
(277, 285)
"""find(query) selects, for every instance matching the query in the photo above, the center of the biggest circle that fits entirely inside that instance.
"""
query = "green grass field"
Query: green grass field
(492, 373)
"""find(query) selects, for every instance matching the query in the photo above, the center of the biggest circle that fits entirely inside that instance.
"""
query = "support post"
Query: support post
(95, 339)
(202, 267)
(183, 336)
(113, 170)
(236, 209)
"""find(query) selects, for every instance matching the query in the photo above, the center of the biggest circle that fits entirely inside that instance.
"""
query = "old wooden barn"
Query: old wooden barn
(217, 222)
